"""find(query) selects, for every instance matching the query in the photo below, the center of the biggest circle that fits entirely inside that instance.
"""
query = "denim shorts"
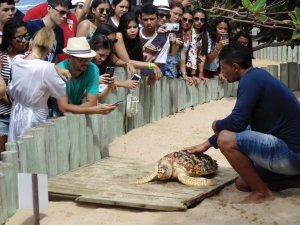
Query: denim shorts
(271, 155)
(4, 124)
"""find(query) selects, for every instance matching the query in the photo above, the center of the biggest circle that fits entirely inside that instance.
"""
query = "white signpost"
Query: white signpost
(33, 193)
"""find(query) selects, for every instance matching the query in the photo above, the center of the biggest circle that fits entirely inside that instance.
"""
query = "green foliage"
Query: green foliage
(295, 16)
(257, 9)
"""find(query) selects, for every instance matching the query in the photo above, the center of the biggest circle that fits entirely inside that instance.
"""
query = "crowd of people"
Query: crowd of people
(54, 58)
(63, 48)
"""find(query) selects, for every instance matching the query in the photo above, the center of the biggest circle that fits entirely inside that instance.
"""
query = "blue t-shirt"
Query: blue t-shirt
(87, 81)
(267, 105)
(35, 25)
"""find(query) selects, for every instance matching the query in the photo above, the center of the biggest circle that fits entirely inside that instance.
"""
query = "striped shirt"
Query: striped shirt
(6, 66)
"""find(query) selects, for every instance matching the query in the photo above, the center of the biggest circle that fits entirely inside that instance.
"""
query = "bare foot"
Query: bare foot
(241, 185)
(258, 197)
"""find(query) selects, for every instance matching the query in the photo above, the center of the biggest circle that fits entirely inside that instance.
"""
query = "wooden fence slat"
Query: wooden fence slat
(3, 201)
(62, 143)
(73, 131)
(83, 140)
(11, 157)
(8, 170)
(39, 148)
(50, 147)
(23, 158)
(30, 153)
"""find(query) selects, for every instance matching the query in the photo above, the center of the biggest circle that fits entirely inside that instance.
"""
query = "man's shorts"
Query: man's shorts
(271, 155)
(4, 124)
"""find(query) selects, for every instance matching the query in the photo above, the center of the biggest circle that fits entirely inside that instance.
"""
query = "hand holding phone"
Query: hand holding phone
(117, 103)
(110, 70)
(224, 36)
(136, 77)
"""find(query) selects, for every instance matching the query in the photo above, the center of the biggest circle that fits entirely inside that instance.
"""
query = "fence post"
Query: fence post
(83, 142)
(8, 170)
(3, 201)
(50, 147)
(62, 144)
(23, 158)
(273, 70)
(73, 131)
(11, 157)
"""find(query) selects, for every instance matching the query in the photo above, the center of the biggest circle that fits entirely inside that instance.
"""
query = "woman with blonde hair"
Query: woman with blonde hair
(33, 82)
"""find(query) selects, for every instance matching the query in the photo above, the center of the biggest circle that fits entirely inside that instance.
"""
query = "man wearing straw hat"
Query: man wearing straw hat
(85, 79)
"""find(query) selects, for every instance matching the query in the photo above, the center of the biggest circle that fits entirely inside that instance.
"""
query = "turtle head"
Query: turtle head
(164, 171)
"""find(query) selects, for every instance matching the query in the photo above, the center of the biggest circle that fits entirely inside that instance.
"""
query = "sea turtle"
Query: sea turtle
(185, 167)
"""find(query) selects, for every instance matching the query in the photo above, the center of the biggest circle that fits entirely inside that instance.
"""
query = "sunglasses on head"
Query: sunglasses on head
(62, 12)
(19, 38)
(102, 10)
(162, 15)
(197, 19)
(184, 19)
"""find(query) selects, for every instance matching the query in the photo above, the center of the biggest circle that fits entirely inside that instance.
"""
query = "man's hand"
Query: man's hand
(105, 108)
(63, 73)
(198, 148)
(214, 128)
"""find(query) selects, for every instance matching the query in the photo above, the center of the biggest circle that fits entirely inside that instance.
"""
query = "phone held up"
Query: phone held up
(172, 27)
(136, 77)
(110, 70)
(224, 36)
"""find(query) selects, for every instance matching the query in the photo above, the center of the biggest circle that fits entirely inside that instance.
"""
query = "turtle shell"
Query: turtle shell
(195, 165)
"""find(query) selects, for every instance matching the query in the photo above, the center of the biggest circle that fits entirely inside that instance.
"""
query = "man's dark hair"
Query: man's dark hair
(9, 2)
(149, 9)
(236, 53)
(65, 3)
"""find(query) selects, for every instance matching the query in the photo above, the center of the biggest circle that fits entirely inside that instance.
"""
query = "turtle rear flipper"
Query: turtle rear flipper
(195, 181)
(147, 179)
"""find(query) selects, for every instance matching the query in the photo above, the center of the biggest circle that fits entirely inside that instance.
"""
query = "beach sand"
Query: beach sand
(151, 142)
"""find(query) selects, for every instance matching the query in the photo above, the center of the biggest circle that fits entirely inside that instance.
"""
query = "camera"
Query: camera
(172, 27)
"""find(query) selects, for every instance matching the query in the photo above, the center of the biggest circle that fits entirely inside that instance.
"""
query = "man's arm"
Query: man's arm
(64, 106)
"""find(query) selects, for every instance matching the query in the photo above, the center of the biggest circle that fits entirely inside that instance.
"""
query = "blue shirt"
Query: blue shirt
(267, 105)
(87, 81)
(34, 26)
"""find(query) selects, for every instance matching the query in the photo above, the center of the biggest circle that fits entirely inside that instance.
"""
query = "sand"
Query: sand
(149, 143)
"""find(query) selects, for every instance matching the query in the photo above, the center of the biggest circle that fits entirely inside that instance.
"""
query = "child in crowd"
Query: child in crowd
(98, 15)
(216, 42)
(120, 7)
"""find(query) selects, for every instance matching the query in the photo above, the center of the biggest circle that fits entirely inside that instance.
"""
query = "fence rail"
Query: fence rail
(68, 142)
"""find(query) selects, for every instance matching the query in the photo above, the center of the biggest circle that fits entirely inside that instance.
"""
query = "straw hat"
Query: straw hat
(78, 2)
(79, 47)
(162, 4)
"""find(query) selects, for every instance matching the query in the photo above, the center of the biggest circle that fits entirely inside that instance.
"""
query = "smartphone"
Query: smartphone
(110, 70)
(136, 77)
(118, 103)
(224, 36)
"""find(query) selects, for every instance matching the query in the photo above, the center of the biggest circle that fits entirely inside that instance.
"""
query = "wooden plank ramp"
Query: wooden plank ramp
(109, 181)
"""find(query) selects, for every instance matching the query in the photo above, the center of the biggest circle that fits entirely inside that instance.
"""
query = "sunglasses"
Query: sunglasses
(184, 19)
(62, 12)
(162, 15)
(197, 19)
(102, 10)
(19, 38)
(82, 60)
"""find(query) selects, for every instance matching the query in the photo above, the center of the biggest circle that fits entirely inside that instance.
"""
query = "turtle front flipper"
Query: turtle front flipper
(147, 179)
(195, 181)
